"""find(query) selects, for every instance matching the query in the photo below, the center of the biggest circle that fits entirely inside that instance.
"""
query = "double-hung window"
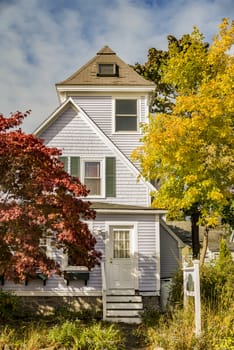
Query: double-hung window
(98, 175)
(126, 115)
(93, 177)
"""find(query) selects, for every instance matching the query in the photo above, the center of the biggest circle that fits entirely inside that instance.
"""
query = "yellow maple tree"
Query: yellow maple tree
(190, 150)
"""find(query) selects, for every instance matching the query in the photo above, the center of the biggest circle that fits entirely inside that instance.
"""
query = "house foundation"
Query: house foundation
(47, 305)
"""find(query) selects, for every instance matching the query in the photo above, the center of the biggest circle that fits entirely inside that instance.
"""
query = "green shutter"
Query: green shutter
(75, 166)
(110, 177)
(64, 160)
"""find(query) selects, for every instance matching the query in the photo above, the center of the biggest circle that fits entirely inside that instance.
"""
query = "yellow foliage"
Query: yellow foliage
(191, 149)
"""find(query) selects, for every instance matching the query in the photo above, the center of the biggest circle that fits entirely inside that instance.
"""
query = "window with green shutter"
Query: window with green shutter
(71, 165)
(91, 173)
(75, 166)
(64, 160)
(92, 177)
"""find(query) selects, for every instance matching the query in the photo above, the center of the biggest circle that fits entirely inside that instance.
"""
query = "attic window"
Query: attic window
(107, 70)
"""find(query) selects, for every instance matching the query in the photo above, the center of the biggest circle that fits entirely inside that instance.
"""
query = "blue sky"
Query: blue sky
(44, 41)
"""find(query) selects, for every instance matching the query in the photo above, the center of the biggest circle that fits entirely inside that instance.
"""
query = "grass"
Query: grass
(170, 331)
(176, 331)
(72, 335)
(173, 330)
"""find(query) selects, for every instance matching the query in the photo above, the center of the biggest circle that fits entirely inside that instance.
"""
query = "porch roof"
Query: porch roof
(103, 207)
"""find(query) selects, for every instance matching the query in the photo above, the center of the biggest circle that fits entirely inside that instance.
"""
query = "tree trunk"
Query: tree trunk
(195, 234)
(204, 246)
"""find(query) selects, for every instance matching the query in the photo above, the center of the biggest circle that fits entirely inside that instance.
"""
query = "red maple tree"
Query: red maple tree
(38, 199)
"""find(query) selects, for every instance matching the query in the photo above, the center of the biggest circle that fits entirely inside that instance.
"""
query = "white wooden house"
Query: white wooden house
(97, 126)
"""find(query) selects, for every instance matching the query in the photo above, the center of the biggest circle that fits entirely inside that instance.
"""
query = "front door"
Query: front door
(121, 263)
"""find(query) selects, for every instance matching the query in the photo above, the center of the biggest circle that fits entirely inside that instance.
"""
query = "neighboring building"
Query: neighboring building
(182, 229)
(97, 126)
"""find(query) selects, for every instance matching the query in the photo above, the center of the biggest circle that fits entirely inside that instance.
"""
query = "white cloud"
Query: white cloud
(43, 42)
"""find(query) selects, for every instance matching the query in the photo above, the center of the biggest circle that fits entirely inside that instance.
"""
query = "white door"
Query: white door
(121, 263)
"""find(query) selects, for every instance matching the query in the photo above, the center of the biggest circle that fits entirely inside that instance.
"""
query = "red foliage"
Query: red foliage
(38, 198)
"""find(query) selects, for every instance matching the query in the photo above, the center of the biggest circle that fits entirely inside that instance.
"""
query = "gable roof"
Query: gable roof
(182, 229)
(87, 74)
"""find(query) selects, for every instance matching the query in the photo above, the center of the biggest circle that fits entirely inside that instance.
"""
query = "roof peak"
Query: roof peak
(106, 50)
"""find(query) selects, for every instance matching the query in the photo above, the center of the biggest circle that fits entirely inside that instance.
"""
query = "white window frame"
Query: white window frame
(47, 242)
(102, 174)
(137, 131)
(64, 264)
(134, 248)
(131, 225)
(112, 74)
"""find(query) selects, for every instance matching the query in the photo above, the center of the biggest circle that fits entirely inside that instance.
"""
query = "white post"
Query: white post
(184, 284)
(103, 289)
(197, 298)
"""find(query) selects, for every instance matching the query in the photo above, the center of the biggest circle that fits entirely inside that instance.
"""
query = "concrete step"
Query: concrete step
(122, 313)
(124, 306)
(121, 292)
(124, 298)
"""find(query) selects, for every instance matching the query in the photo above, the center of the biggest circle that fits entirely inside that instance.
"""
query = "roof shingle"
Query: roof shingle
(87, 74)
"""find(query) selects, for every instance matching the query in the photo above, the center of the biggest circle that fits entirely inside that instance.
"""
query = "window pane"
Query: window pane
(126, 107)
(126, 124)
(94, 185)
(106, 69)
(92, 169)
(121, 244)
(92, 177)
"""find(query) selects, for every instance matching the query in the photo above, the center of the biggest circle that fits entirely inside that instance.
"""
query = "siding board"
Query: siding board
(169, 254)
(72, 133)
(100, 110)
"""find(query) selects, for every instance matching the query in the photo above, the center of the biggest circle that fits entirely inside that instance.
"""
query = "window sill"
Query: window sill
(75, 268)
(126, 132)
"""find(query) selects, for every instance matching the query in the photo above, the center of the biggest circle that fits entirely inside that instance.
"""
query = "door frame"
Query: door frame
(134, 245)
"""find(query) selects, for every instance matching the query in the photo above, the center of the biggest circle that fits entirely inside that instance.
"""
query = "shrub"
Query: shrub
(77, 336)
(175, 330)
(216, 282)
(7, 337)
(151, 317)
(10, 305)
(176, 293)
(66, 335)
(98, 337)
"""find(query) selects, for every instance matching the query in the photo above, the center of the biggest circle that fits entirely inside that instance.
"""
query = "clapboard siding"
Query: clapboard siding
(148, 253)
(101, 108)
(169, 253)
(76, 138)
(57, 283)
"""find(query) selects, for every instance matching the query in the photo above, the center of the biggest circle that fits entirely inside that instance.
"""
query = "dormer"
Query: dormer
(107, 70)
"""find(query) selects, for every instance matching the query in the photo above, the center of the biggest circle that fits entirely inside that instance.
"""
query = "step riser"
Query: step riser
(124, 299)
(121, 306)
(122, 313)
(126, 292)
